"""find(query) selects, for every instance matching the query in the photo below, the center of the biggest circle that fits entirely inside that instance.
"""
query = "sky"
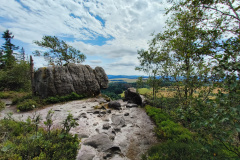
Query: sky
(108, 32)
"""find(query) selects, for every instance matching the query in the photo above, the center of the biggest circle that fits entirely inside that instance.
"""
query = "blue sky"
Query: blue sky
(108, 32)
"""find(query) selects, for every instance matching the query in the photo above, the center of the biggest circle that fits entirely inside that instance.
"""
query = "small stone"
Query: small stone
(97, 130)
(126, 114)
(86, 156)
(105, 119)
(106, 126)
(117, 129)
(84, 107)
(109, 111)
(131, 105)
(83, 115)
(82, 136)
(96, 112)
(103, 112)
(95, 124)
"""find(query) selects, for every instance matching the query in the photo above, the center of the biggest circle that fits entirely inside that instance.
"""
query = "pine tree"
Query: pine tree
(8, 47)
(22, 54)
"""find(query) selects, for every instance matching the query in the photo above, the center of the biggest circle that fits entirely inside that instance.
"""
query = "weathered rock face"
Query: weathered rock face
(62, 80)
(132, 96)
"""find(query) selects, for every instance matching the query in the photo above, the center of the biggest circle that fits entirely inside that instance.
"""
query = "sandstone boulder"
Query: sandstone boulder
(63, 80)
(118, 121)
(100, 141)
(132, 96)
(114, 105)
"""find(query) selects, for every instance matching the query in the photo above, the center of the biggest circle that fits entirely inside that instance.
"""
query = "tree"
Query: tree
(182, 53)
(60, 52)
(8, 58)
(22, 54)
(150, 64)
(1, 59)
(218, 118)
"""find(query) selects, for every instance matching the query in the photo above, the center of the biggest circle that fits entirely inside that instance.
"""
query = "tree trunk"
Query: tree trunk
(32, 75)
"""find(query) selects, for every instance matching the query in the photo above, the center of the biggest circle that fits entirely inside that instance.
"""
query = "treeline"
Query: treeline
(115, 89)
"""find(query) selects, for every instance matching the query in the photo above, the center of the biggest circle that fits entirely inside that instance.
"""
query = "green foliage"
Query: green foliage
(26, 102)
(69, 123)
(49, 121)
(157, 114)
(115, 89)
(27, 105)
(171, 150)
(167, 129)
(60, 52)
(179, 142)
(17, 78)
(7, 59)
(2, 105)
(150, 64)
(21, 140)
(57, 99)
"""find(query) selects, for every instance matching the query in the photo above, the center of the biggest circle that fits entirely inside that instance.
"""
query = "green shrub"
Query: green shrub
(156, 114)
(170, 130)
(16, 78)
(57, 99)
(18, 99)
(27, 105)
(23, 140)
(167, 129)
(171, 150)
(12, 94)
(2, 105)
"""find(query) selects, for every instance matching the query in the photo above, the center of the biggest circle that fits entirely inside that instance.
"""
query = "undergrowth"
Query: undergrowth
(24, 140)
(179, 143)
(26, 102)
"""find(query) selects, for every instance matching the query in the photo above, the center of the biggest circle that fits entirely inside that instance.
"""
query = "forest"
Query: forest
(193, 88)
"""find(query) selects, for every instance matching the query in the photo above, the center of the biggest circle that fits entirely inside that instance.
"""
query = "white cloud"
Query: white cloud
(129, 22)
(95, 61)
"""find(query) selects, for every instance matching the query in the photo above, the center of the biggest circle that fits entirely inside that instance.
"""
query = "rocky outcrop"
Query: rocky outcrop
(132, 96)
(62, 80)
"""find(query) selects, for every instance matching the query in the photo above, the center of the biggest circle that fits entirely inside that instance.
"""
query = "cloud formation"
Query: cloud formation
(124, 26)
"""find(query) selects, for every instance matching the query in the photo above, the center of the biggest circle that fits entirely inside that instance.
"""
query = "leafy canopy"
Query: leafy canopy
(60, 53)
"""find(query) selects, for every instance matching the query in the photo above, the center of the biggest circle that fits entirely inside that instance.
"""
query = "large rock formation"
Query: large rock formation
(62, 80)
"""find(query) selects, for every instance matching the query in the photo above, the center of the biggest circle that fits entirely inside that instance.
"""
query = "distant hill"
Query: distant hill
(125, 76)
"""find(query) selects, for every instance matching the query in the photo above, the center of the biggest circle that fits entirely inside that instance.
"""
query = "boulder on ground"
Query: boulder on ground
(114, 105)
(132, 96)
(118, 120)
(106, 126)
(63, 80)
(100, 141)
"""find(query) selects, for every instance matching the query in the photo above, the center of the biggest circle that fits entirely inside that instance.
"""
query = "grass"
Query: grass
(12, 94)
(144, 90)
(170, 92)
(123, 79)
